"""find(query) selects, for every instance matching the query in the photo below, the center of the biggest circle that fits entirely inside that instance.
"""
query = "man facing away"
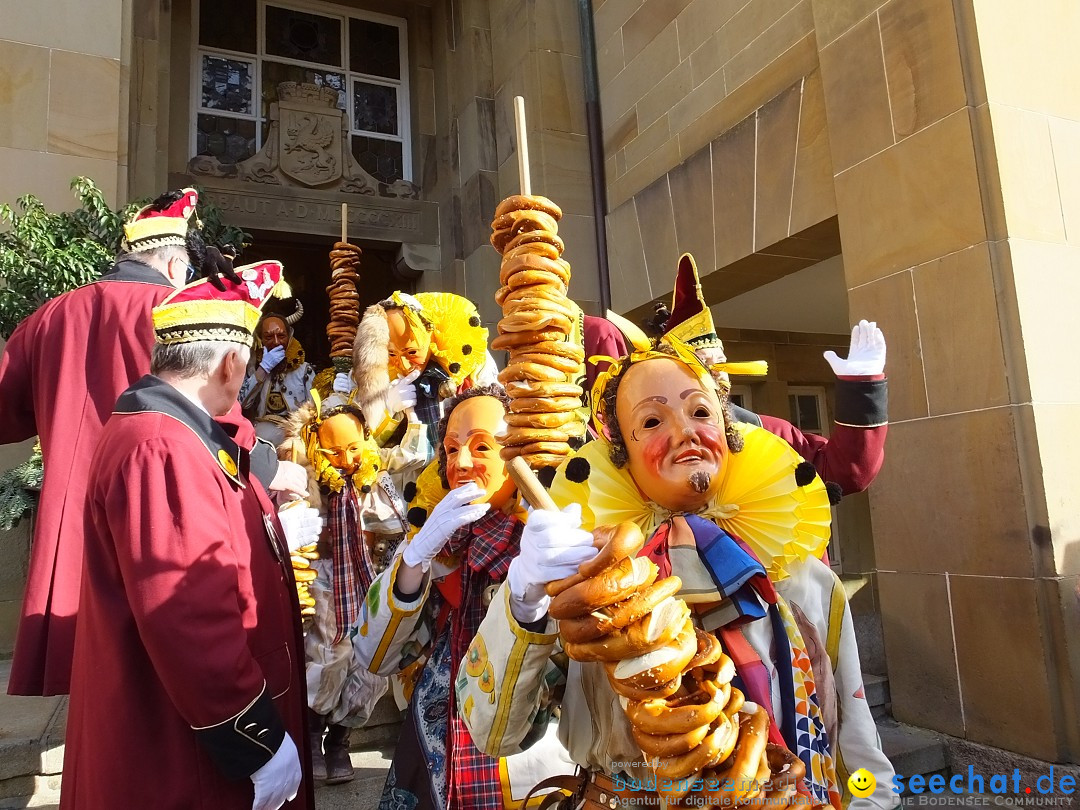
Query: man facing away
(60, 374)
(187, 686)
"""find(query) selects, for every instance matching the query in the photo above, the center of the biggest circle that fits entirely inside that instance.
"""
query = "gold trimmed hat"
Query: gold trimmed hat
(150, 229)
(691, 321)
(200, 311)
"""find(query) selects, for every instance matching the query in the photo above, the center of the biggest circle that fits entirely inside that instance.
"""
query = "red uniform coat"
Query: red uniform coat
(853, 455)
(188, 665)
(60, 374)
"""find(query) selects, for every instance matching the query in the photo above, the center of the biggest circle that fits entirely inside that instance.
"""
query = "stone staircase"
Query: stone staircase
(911, 750)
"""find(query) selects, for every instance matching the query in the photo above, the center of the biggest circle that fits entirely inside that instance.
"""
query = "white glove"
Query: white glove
(553, 545)
(449, 515)
(278, 781)
(271, 358)
(302, 524)
(290, 478)
(343, 383)
(866, 356)
(402, 393)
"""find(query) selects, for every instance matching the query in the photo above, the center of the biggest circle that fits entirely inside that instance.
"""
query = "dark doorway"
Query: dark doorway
(307, 269)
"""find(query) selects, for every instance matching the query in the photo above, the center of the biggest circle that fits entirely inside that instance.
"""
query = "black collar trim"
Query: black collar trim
(153, 395)
(133, 271)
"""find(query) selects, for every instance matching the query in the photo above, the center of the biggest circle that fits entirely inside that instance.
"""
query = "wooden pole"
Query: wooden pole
(529, 485)
(522, 145)
(344, 222)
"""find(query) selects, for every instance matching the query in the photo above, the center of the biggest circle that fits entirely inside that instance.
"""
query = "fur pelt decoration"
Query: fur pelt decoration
(371, 364)
(293, 449)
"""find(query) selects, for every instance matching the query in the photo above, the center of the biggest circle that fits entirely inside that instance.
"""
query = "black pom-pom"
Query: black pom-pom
(576, 442)
(577, 470)
(417, 516)
(454, 368)
(835, 493)
(466, 350)
(546, 476)
(409, 492)
(804, 473)
(474, 321)
(366, 488)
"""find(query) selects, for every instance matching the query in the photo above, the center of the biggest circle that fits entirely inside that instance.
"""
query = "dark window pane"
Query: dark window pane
(230, 140)
(381, 159)
(299, 35)
(737, 399)
(804, 412)
(226, 85)
(374, 48)
(274, 73)
(228, 24)
(375, 108)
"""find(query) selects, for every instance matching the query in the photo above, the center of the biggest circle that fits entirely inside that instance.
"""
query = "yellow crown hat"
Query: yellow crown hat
(150, 229)
(200, 311)
(690, 320)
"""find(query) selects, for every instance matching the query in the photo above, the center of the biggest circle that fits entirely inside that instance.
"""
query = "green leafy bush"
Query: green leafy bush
(44, 254)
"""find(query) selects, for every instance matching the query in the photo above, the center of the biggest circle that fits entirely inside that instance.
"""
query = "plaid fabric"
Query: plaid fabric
(485, 548)
(427, 398)
(353, 569)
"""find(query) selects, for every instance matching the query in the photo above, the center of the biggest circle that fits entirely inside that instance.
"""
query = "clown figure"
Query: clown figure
(430, 602)
(720, 509)
(280, 377)
(411, 353)
(350, 482)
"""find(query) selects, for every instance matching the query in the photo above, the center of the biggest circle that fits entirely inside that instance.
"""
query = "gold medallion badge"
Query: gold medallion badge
(226, 462)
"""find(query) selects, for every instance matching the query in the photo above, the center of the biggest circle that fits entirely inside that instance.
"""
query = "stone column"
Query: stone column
(954, 146)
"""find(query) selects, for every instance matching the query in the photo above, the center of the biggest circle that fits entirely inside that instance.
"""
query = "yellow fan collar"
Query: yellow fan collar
(758, 500)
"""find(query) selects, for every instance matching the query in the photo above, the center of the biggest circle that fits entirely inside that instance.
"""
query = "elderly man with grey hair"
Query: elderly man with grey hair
(187, 685)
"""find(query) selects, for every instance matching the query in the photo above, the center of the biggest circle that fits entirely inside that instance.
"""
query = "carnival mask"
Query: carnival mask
(472, 449)
(410, 344)
(273, 333)
(343, 443)
(673, 428)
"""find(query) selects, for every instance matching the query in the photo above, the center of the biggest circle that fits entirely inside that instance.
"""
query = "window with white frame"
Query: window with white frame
(742, 396)
(245, 48)
(806, 404)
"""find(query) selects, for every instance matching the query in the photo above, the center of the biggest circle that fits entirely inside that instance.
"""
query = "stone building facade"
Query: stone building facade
(913, 162)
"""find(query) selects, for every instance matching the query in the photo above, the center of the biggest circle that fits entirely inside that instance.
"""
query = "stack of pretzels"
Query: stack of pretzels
(537, 320)
(344, 302)
(674, 680)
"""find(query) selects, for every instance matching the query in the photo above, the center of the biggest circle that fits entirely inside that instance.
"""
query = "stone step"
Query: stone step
(876, 689)
(912, 750)
(364, 790)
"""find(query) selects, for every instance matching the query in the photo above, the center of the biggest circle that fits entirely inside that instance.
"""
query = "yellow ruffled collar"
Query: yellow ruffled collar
(758, 501)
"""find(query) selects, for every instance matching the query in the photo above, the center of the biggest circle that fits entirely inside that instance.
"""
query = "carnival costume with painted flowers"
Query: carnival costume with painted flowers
(726, 553)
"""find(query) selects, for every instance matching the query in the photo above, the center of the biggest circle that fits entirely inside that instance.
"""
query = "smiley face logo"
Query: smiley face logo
(861, 783)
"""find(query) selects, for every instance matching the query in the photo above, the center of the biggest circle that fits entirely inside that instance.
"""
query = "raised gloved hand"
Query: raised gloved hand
(402, 393)
(343, 383)
(449, 515)
(866, 356)
(290, 479)
(278, 781)
(271, 358)
(553, 545)
(218, 264)
(302, 524)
